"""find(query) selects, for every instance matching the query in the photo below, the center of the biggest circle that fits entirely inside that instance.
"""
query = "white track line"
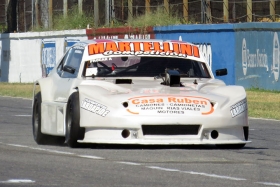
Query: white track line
(41, 149)
(130, 163)
(17, 145)
(264, 119)
(91, 157)
(22, 115)
(268, 183)
(55, 151)
(160, 168)
(197, 173)
(18, 181)
(214, 175)
(59, 152)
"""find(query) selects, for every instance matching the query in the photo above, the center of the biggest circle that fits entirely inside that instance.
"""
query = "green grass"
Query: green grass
(76, 20)
(16, 89)
(3, 28)
(261, 103)
(73, 20)
(156, 18)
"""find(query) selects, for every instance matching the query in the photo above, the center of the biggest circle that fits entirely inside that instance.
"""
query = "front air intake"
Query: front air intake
(123, 81)
(170, 129)
(172, 78)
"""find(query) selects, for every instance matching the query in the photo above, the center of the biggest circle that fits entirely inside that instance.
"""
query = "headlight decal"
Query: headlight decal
(238, 108)
(95, 107)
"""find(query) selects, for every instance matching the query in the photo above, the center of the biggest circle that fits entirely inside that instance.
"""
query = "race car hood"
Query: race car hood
(150, 86)
(204, 95)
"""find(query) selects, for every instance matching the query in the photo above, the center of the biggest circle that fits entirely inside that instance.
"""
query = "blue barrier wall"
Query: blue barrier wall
(250, 51)
(257, 55)
(218, 38)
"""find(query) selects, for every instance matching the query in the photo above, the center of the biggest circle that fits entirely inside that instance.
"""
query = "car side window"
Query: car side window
(71, 59)
(61, 64)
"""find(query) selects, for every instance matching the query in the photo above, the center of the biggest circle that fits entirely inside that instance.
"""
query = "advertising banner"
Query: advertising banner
(48, 54)
(257, 59)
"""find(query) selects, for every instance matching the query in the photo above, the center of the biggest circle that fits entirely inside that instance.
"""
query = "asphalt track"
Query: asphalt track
(24, 163)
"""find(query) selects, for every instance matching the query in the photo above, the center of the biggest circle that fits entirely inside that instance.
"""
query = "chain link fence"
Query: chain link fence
(24, 15)
(3, 18)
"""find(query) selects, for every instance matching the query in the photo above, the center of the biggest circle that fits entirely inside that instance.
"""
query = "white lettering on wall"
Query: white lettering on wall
(276, 62)
(137, 36)
(126, 36)
(106, 37)
(255, 59)
(206, 51)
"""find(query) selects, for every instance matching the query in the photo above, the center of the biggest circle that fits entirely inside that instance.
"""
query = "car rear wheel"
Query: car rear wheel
(230, 146)
(73, 130)
(39, 137)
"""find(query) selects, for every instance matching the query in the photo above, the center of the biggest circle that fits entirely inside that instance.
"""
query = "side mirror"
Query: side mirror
(69, 69)
(221, 72)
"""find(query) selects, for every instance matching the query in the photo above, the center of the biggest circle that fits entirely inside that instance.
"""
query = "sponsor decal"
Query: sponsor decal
(188, 105)
(244, 57)
(276, 61)
(126, 36)
(95, 107)
(78, 51)
(149, 90)
(159, 91)
(137, 36)
(79, 47)
(253, 60)
(101, 59)
(238, 108)
(259, 58)
(144, 48)
(48, 56)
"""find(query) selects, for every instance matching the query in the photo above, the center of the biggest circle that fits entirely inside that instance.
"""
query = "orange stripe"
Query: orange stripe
(131, 112)
(210, 112)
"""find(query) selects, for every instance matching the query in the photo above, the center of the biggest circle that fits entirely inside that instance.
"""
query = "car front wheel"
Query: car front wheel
(39, 137)
(73, 130)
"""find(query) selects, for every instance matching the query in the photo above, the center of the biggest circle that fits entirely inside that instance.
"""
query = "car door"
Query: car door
(67, 73)
(61, 87)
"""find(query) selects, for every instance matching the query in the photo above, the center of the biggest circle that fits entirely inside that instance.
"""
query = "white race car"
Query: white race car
(152, 92)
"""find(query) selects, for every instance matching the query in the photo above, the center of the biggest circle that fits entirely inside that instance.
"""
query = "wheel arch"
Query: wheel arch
(36, 89)
(76, 89)
(73, 131)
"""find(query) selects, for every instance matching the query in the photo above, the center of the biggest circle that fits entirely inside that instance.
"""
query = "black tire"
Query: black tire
(39, 137)
(73, 130)
(230, 146)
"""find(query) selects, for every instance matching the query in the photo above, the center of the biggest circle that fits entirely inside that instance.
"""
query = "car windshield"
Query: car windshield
(144, 66)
